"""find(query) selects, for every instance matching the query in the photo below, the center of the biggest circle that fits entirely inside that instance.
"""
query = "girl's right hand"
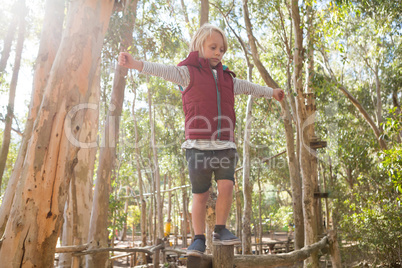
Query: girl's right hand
(126, 60)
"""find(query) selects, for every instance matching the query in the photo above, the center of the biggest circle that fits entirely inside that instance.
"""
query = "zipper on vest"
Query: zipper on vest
(218, 95)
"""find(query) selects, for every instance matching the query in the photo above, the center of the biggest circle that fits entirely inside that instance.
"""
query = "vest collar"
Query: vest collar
(194, 60)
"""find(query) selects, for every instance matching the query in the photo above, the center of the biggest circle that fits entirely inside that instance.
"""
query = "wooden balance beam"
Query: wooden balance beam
(223, 257)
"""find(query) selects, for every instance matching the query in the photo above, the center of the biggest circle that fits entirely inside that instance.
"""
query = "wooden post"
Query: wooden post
(157, 254)
(133, 259)
(199, 262)
(223, 256)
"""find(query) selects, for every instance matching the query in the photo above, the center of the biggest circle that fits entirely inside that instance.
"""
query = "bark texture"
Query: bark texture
(31, 232)
(279, 260)
(223, 256)
(79, 202)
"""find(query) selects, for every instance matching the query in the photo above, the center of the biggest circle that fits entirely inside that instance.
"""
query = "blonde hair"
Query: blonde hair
(202, 34)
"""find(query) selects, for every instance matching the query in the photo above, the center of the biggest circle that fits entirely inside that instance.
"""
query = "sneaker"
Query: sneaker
(197, 248)
(225, 237)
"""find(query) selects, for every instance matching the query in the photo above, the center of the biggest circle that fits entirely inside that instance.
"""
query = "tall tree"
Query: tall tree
(247, 188)
(156, 171)
(32, 231)
(304, 129)
(98, 233)
(294, 168)
(49, 44)
(5, 146)
(143, 222)
(77, 213)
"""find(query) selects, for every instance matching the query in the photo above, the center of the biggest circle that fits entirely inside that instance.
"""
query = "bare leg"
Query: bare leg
(199, 210)
(224, 201)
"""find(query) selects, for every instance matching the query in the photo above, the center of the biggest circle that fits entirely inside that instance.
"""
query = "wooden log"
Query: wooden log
(223, 256)
(120, 256)
(94, 251)
(69, 249)
(199, 262)
(263, 261)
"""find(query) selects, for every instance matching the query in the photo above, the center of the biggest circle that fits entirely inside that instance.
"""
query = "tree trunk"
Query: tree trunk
(324, 179)
(5, 146)
(49, 44)
(184, 212)
(67, 236)
(259, 213)
(169, 208)
(239, 225)
(210, 218)
(98, 234)
(124, 232)
(310, 228)
(294, 168)
(151, 227)
(8, 40)
(78, 206)
(31, 233)
(398, 111)
(311, 113)
(204, 12)
(143, 222)
(379, 101)
(247, 188)
(159, 212)
(334, 250)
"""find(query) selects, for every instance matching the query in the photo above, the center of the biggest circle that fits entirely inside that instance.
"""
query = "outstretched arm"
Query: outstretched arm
(248, 88)
(177, 74)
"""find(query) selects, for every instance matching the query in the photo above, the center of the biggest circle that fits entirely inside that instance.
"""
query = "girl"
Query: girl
(208, 90)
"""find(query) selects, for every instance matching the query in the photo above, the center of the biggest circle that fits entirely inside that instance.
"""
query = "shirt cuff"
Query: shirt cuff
(145, 68)
(269, 92)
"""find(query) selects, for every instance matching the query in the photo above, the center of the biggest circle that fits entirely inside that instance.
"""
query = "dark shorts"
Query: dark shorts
(202, 164)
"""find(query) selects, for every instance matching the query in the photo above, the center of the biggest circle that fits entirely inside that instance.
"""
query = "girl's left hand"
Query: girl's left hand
(278, 94)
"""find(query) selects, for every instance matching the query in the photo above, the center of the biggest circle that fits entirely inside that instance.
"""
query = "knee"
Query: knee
(225, 187)
(201, 197)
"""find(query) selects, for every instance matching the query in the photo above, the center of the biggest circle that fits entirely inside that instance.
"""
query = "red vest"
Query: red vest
(208, 101)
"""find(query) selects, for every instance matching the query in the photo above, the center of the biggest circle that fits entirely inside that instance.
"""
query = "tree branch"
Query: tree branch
(17, 131)
(356, 103)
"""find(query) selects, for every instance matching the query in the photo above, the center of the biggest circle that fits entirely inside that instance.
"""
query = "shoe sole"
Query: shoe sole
(226, 242)
(195, 253)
